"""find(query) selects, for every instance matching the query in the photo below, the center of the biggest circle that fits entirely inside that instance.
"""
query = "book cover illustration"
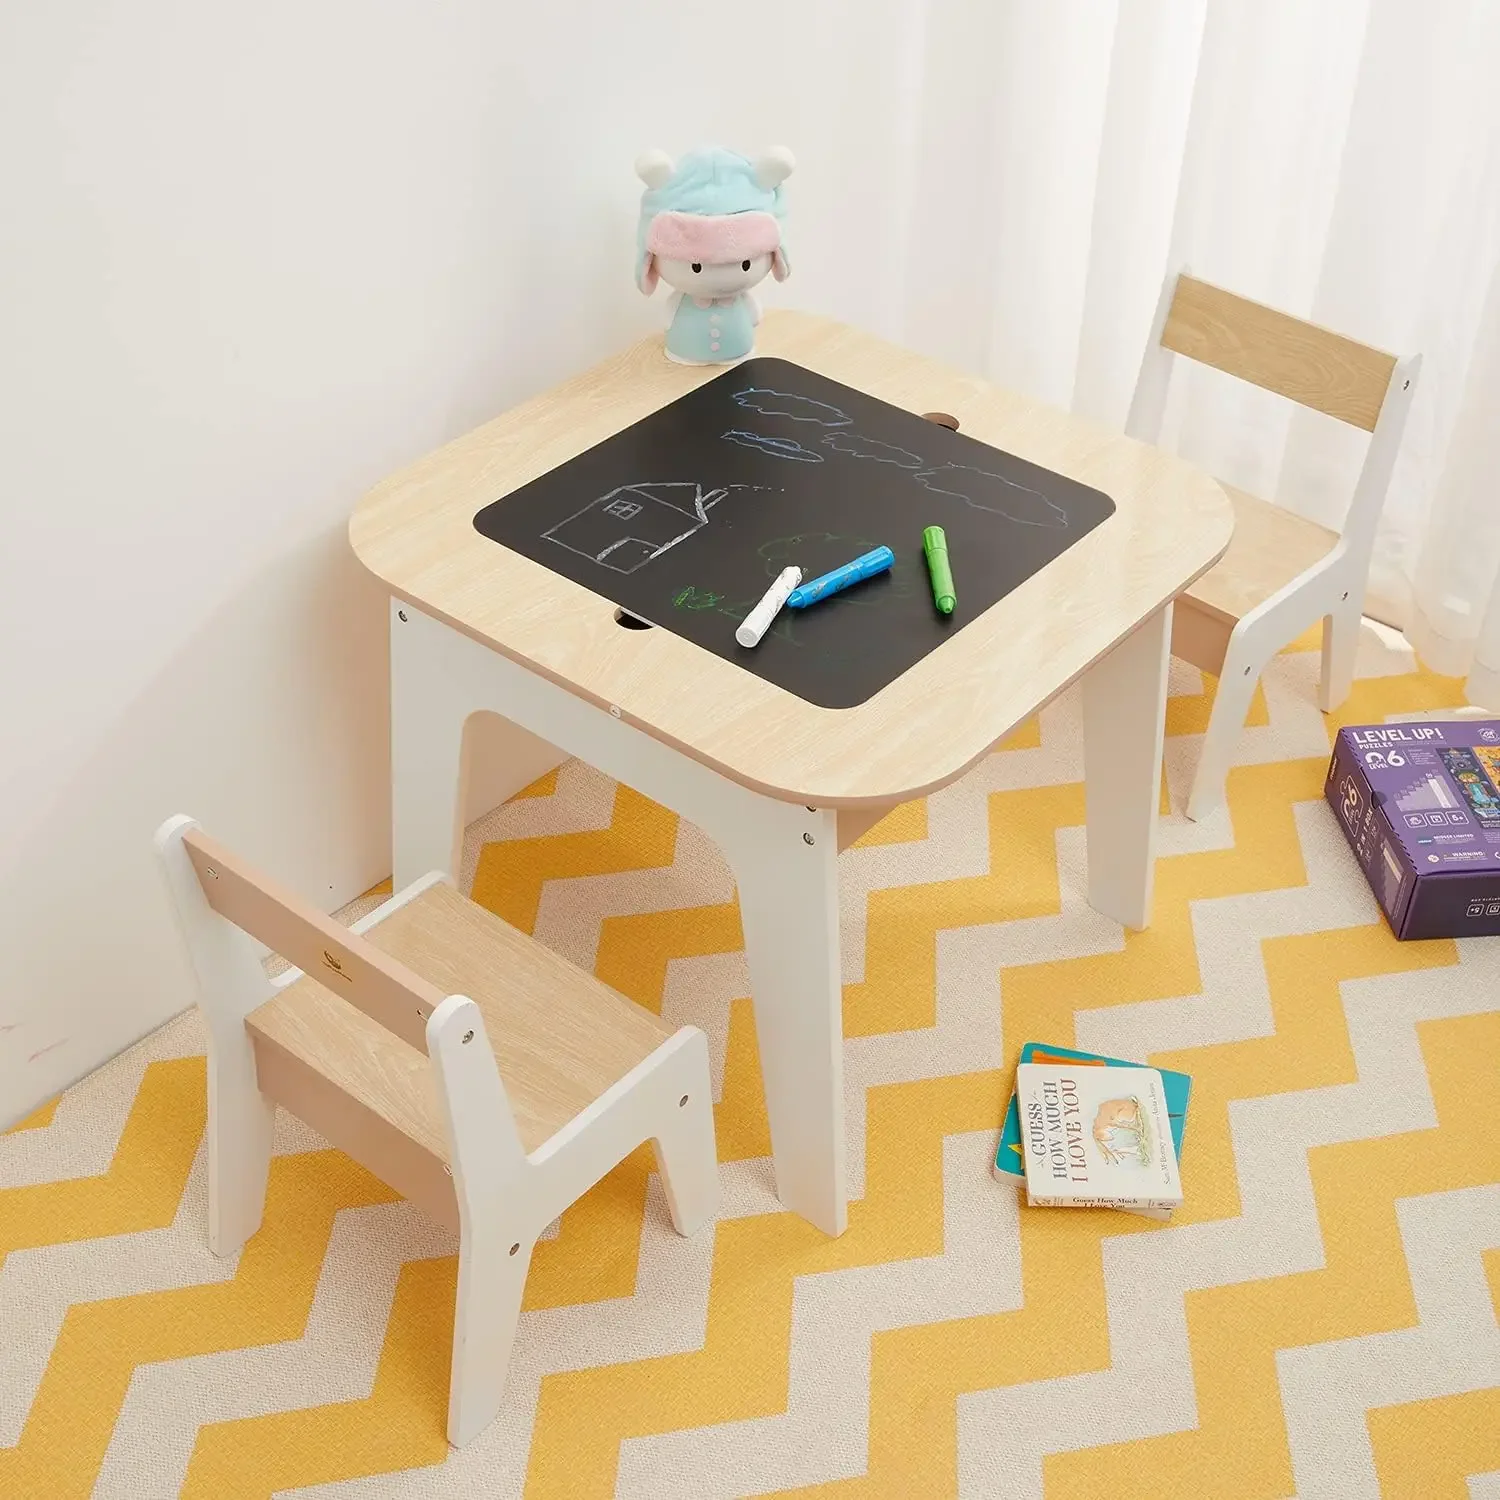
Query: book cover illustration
(1122, 1131)
(1010, 1163)
(1095, 1136)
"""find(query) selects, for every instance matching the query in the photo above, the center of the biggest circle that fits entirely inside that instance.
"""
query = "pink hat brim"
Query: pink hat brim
(714, 239)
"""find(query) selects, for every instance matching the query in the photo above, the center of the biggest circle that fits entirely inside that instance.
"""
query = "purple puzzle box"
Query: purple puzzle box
(1420, 806)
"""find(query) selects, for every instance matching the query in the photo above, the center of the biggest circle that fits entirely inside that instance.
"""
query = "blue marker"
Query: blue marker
(832, 583)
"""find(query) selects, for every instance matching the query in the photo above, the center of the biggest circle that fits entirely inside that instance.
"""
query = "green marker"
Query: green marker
(935, 549)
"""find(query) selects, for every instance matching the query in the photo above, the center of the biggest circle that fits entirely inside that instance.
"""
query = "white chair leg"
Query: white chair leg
(240, 1121)
(1340, 643)
(492, 1267)
(1124, 720)
(1237, 679)
(788, 888)
(686, 1156)
(498, 1212)
(231, 983)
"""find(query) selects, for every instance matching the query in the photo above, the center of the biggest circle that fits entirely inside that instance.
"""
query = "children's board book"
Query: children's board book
(1096, 1137)
(1009, 1163)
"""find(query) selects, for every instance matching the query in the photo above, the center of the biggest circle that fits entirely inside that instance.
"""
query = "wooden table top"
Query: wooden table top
(415, 532)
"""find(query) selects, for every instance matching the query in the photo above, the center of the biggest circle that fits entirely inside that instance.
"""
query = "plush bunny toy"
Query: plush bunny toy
(710, 227)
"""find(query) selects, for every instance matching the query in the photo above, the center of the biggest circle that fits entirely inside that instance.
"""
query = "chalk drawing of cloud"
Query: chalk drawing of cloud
(883, 453)
(991, 492)
(777, 447)
(798, 408)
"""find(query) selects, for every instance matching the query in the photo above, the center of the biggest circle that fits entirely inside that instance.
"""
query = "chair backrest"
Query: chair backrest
(1310, 365)
(1300, 361)
(384, 989)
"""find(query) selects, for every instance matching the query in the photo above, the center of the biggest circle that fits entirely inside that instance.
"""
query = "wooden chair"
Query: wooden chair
(476, 1072)
(1282, 572)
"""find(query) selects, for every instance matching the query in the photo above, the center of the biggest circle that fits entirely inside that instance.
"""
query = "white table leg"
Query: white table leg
(1124, 719)
(786, 868)
(427, 770)
(445, 766)
(784, 856)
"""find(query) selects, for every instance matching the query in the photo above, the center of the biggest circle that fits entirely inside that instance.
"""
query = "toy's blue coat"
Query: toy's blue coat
(722, 331)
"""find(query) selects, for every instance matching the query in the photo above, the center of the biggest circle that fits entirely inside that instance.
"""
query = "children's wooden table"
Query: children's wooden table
(746, 745)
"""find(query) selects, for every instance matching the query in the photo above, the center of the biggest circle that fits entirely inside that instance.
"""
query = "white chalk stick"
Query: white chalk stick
(758, 621)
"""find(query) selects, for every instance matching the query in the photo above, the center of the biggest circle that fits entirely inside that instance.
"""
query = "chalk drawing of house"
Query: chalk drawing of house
(629, 526)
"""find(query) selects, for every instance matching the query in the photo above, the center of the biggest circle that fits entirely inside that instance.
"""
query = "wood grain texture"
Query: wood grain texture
(416, 533)
(1199, 637)
(1270, 548)
(400, 1152)
(392, 995)
(1312, 366)
(561, 1038)
(855, 822)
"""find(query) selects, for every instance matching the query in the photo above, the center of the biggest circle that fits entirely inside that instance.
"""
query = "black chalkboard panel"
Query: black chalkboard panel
(684, 520)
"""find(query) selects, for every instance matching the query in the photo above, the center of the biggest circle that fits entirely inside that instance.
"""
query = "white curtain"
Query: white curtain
(1004, 182)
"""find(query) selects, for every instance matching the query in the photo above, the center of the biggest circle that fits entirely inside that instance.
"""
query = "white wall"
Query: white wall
(253, 259)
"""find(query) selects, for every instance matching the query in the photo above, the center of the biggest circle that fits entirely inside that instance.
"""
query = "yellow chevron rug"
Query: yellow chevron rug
(1320, 1319)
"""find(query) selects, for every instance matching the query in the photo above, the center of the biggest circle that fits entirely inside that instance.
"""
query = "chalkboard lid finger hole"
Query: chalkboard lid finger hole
(631, 622)
(942, 419)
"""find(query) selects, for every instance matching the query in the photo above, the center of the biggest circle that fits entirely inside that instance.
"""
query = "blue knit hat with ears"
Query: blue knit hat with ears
(715, 186)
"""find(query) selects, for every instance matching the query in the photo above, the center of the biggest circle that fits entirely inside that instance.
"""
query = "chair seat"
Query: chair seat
(1270, 548)
(561, 1038)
